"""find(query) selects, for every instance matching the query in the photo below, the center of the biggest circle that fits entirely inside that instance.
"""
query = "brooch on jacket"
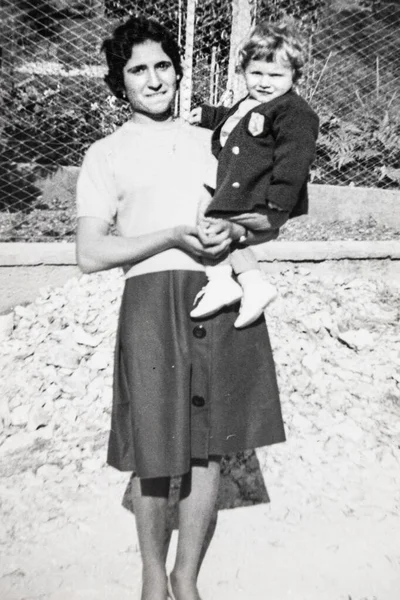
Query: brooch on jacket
(256, 123)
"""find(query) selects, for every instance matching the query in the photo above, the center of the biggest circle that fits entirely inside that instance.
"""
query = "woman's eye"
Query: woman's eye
(137, 70)
(164, 66)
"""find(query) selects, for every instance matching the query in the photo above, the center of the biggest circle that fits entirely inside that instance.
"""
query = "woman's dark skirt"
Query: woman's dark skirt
(187, 389)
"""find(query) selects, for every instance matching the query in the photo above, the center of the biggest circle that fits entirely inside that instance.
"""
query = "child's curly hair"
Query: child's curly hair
(118, 49)
(269, 41)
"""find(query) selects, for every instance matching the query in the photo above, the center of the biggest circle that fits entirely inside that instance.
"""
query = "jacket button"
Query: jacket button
(198, 401)
(235, 149)
(199, 332)
(236, 184)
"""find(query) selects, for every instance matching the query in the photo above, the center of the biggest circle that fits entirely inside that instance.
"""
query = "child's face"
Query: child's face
(268, 80)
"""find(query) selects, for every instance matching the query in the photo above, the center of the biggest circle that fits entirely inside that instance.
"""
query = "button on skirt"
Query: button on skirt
(185, 388)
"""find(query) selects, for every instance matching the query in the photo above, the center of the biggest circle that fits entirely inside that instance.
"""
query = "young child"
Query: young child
(265, 145)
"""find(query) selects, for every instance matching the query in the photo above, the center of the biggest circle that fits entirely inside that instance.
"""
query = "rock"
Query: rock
(92, 465)
(82, 337)
(349, 430)
(312, 362)
(311, 323)
(48, 472)
(100, 360)
(301, 424)
(6, 324)
(25, 312)
(18, 441)
(63, 357)
(38, 417)
(358, 339)
(77, 382)
(20, 415)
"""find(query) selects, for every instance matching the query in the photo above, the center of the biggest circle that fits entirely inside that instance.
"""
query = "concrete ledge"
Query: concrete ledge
(327, 202)
(320, 251)
(31, 254)
(41, 253)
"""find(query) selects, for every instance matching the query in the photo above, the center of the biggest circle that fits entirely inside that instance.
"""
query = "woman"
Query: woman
(185, 392)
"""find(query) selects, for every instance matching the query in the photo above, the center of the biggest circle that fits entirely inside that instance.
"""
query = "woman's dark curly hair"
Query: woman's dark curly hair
(118, 49)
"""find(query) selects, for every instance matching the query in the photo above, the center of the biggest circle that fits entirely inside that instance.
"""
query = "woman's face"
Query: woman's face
(150, 82)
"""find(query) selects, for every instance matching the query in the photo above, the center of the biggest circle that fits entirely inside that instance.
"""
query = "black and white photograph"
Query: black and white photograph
(200, 300)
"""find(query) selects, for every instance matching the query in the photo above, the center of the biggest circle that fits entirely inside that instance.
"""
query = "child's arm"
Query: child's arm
(295, 136)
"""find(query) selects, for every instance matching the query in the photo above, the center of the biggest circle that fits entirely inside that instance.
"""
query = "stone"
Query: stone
(20, 415)
(349, 430)
(358, 339)
(92, 464)
(18, 441)
(100, 360)
(77, 382)
(6, 325)
(312, 362)
(48, 472)
(63, 357)
(38, 417)
(301, 424)
(82, 337)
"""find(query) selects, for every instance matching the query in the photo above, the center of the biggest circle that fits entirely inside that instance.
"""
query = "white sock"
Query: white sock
(219, 272)
(250, 277)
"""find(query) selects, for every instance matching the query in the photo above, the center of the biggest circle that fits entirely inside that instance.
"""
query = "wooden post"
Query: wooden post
(213, 67)
(7, 48)
(185, 92)
(243, 12)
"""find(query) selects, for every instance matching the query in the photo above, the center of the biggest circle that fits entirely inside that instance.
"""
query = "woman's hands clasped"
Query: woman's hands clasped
(211, 243)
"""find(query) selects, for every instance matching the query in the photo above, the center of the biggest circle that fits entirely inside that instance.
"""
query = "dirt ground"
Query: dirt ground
(331, 532)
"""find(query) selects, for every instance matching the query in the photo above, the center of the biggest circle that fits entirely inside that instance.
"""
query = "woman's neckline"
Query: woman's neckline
(157, 126)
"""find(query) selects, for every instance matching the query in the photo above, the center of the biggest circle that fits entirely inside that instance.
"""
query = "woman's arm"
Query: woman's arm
(96, 250)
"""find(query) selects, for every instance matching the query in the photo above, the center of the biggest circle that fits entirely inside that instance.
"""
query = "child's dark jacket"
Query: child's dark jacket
(266, 158)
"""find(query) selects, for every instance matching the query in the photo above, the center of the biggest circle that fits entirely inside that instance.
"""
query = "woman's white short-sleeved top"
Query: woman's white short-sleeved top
(147, 178)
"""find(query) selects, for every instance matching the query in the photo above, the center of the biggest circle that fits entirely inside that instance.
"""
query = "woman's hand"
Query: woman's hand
(214, 231)
(188, 239)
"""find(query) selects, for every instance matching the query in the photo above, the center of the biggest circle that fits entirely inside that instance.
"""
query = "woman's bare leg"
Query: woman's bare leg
(150, 498)
(196, 526)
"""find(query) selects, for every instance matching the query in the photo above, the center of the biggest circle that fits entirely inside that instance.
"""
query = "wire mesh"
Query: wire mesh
(54, 102)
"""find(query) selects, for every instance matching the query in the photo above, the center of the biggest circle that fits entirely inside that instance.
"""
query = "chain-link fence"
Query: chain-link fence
(54, 103)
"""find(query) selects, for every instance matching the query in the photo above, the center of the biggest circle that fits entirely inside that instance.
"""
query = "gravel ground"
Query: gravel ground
(332, 529)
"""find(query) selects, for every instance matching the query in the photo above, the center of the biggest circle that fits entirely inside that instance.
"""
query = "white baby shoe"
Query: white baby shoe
(221, 290)
(257, 294)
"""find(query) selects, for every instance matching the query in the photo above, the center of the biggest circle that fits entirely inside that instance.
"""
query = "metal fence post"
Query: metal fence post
(185, 92)
(242, 18)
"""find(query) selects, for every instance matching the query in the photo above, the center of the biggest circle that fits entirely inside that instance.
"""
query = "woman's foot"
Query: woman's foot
(182, 588)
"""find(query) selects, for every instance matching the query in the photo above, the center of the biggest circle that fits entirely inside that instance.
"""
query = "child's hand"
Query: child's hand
(212, 231)
(195, 116)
